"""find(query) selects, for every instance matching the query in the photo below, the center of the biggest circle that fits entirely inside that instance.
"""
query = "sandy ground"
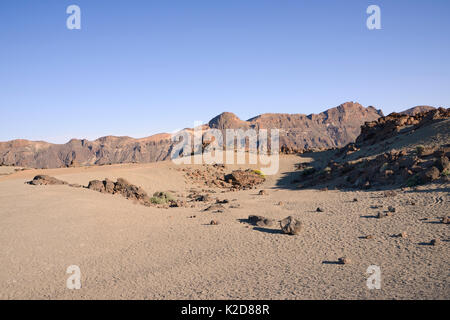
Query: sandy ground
(129, 251)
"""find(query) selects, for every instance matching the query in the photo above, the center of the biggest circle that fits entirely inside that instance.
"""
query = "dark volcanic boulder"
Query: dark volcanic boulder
(260, 221)
(290, 226)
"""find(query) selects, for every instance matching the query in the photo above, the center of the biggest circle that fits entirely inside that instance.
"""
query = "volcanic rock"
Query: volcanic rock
(290, 226)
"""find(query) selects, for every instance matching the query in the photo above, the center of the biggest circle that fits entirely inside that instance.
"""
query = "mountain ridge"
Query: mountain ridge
(334, 127)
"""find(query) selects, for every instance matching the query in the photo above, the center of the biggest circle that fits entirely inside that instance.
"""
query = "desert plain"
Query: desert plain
(129, 251)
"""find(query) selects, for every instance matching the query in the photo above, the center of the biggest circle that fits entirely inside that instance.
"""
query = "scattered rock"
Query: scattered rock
(320, 210)
(402, 235)
(75, 185)
(435, 242)
(46, 180)
(344, 260)
(261, 221)
(355, 200)
(214, 222)
(203, 197)
(262, 192)
(215, 208)
(380, 215)
(391, 209)
(290, 226)
(390, 193)
(370, 236)
(245, 179)
(445, 220)
(177, 203)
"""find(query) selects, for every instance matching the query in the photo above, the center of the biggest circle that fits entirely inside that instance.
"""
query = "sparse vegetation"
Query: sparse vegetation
(259, 172)
(161, 198)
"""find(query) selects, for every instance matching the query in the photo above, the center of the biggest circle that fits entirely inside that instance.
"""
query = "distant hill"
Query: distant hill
(334, 127)
(415, 110)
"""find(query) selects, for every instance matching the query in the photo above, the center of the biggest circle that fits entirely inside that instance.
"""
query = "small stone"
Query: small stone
(390, 193)
(445, 220)
(320, 210)
(215, 208)
(214, 222)
(262, 192)
(391, 209)
(344, 260)
(222, 201)
(370, 236)
(380, 215)
(435, 242)
(403, 235)
(355, 200)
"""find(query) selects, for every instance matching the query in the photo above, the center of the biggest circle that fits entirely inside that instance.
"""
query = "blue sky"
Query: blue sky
(140, 67)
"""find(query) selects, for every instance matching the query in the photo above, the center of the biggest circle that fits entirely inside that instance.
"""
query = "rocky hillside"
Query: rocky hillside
(397, 150)
(335, 127)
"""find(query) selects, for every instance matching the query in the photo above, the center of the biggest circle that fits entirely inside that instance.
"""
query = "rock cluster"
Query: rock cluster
(46, 180)
(387, 127)
(245, 179)
(405, 167)
(216, 176)
(122, 187)
(135, 193)
(391, 168)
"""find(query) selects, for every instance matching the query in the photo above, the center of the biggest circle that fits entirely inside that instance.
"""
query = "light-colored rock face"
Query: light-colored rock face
(333, 128)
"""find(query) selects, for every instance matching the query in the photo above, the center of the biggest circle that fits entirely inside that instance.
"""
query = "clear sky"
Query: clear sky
(139, 67)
